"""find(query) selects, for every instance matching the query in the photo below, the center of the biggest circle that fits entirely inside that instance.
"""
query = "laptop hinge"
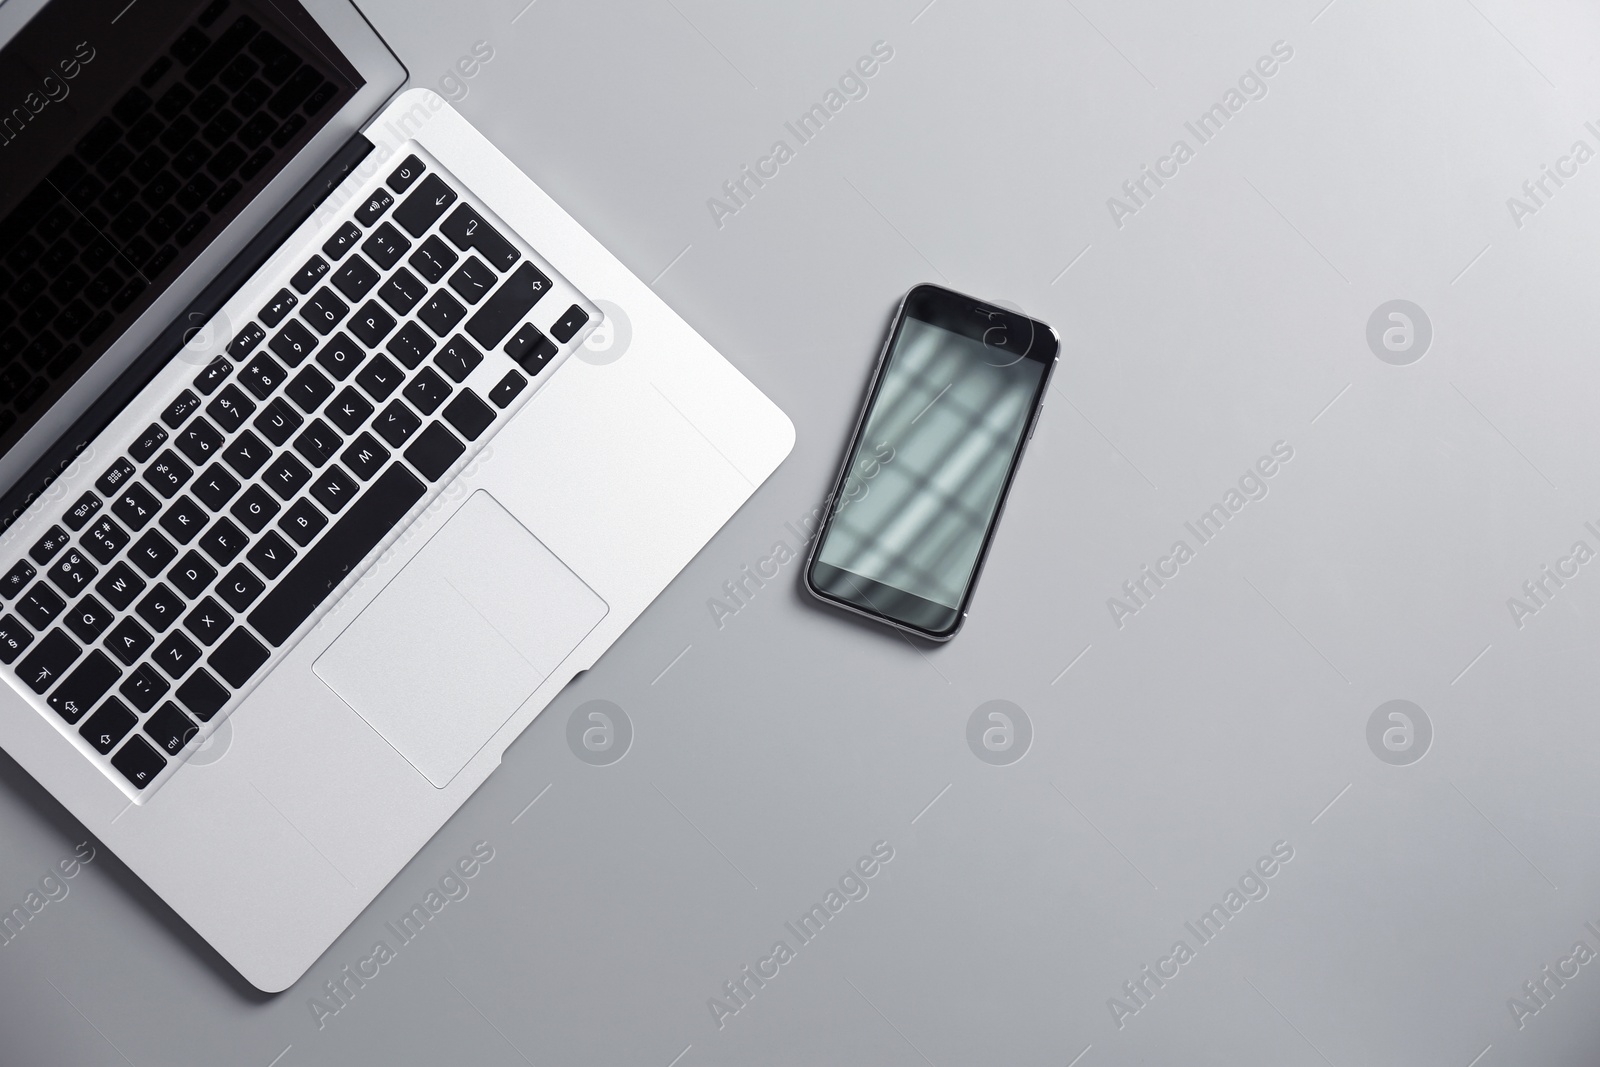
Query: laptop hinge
(59, 456)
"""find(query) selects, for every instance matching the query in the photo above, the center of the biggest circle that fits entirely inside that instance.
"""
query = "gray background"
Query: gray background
(1230, 713)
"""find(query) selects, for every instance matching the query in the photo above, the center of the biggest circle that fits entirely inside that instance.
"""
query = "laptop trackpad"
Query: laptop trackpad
(460, 638)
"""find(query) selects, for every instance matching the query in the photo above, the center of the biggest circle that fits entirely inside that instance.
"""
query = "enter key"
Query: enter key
(507, 305)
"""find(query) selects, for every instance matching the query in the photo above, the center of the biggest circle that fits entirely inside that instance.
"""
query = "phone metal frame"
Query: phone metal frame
(1040, 330)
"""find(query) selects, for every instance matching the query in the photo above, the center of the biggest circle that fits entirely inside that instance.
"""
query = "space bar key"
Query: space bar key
(340, 551)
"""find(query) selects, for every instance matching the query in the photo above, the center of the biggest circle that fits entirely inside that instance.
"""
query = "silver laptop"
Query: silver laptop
(318, 485)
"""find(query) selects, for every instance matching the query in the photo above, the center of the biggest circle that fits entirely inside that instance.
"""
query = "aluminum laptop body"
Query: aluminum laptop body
(537, 500)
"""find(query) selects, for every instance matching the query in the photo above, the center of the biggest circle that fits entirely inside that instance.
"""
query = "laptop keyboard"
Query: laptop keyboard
(379, 366)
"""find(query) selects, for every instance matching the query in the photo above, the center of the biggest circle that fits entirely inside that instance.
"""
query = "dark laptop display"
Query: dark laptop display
(131, 134)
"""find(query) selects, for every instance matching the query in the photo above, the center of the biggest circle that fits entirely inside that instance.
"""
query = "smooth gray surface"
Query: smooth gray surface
(1167, 756)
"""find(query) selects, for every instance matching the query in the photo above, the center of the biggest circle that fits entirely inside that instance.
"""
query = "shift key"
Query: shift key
(506, 306)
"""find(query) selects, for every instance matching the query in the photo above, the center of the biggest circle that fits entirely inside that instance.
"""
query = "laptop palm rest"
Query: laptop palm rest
(460, 638)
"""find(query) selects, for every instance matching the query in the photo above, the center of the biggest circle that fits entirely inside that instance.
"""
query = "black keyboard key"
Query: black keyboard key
(136, 506)
(524, 288)
(199, 440)
(119, 472)
(120, 586)
(530, 348)
(255, 509)
(434, 450)
(396, 423)
(216, 372)
(307, 277)
(569, 324)
(468, 230)
(129, 641)
(145, 447)
(88, 618)
(192, 575)
(433, 259)
(262, 375)
(385, 246)
(406, 173)
(40, 605)
(426, 391)
(208, 621)
(240, 587)
(340, 356)
(318, 443)
(373, 208)
(176, 654)
(168, 473)
(144, 687)
(293, 343)
(468, 414)
(170, 728)
(278, 307)
(457, 358)
(44, 550)
(303, 522)
(441, 312)
(285, 475)
(17, 578)
(82, 689)
(223, 542)
(73, 572)
(341, 550)
(104, 539)
(151, 553)
(231, 408)
(506, 390)
(333, 488)
(473, 280)
(180, 409)
(138, 762)
(349, 410)
(82, 511)
(184, 520)
(355, 279)
(402, 291)
(14, 637)
(343, 241)
(371, 324)
(278, 423)
(379, 378)
(365, 456)
(422, 208)
(160, 608)
(48, 661)
(107, 726)
(238, 657)
(270, 555)
(215, 487)
(203, 695)
(310, 389)
(247, 453)
(324, 311)
(411, 345)
(246, 341)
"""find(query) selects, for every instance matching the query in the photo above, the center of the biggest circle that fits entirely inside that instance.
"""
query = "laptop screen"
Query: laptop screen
(131, 133)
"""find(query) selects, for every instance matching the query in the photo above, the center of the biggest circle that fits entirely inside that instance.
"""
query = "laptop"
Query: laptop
(316, 490)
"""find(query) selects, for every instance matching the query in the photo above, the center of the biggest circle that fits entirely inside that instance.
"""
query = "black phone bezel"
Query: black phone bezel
(1009, 333)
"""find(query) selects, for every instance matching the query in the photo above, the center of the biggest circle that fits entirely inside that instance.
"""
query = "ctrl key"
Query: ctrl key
(138, 761)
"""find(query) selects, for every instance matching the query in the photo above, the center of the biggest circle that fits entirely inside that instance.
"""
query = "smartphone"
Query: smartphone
(953, 400)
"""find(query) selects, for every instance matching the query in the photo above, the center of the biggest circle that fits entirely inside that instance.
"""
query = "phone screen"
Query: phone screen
(915, 508)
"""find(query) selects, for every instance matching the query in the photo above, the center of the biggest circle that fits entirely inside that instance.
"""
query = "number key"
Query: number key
(231, 408)
(104, 539)
(136, 506)
(168, 473)
(199, 440)
(40, 606)
(262, 375)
